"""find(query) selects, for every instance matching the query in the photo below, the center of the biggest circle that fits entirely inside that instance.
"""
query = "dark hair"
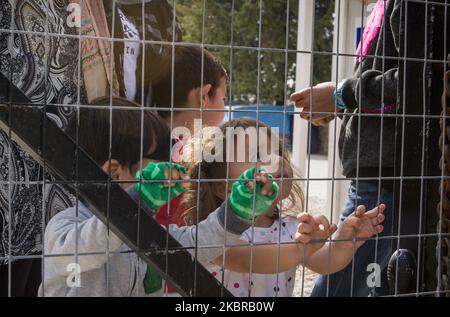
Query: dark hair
(127, 135)
(186, 76)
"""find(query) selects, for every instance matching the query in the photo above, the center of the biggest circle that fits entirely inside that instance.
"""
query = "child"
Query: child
(76, 240)
(188, 92)
(277, 226)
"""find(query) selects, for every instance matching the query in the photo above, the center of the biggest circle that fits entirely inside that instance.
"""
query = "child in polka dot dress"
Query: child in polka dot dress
(281, 237)
(262, 285)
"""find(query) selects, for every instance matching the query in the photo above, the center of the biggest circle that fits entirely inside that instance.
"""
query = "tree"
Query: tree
(323, 40)
(236, 22)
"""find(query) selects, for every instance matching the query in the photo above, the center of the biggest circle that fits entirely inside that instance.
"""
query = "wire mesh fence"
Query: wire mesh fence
(205, 148)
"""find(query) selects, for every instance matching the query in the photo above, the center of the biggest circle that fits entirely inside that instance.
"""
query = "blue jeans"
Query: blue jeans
(340, 284)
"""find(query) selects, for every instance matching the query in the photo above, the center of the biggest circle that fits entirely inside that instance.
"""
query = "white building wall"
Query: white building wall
(303, 75)
(347, 19)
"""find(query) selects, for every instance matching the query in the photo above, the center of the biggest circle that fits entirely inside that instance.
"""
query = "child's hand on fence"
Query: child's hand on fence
(242, 200)
(360, 225)
(314, 231)
(154, 187)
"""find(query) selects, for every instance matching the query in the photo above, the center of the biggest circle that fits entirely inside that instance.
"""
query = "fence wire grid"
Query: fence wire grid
(354, 92)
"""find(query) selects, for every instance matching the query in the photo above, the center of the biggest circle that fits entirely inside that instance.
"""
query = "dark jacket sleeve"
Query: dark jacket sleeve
(373, 88)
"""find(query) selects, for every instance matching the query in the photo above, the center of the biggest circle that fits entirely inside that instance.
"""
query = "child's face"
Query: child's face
(217, 102)
(200, 98)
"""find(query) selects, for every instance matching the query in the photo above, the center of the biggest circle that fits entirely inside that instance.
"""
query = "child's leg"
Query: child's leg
(356, 278)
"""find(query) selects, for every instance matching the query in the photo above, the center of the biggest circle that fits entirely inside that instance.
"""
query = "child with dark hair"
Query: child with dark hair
(96, 124)
(75, 235)
(181, 86)
(192, 86)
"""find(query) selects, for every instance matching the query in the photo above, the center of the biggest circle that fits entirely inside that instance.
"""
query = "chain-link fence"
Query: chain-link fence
(189, 147)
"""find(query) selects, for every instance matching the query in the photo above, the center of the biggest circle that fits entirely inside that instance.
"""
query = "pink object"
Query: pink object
(177, 155)
(387, 109)
(372, 29)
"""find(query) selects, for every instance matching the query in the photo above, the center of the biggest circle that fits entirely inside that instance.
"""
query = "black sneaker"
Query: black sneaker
(402, 263)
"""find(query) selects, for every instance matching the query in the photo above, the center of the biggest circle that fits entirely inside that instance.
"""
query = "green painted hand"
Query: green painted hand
(241, 197)
(155, 194)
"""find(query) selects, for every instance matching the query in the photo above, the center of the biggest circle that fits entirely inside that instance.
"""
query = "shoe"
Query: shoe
(402, 272)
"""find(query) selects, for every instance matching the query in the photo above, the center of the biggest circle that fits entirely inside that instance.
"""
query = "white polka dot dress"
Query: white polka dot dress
(262, 285)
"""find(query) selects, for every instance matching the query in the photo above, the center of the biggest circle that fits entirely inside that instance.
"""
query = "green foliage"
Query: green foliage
(323, 40)
(228, 22)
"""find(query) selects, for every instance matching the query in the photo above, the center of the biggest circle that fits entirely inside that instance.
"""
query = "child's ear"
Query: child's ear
(196, 95)
(205, 92)
(112, 166)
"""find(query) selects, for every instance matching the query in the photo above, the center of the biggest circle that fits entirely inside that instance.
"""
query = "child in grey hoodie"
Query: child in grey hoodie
(78, 244)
